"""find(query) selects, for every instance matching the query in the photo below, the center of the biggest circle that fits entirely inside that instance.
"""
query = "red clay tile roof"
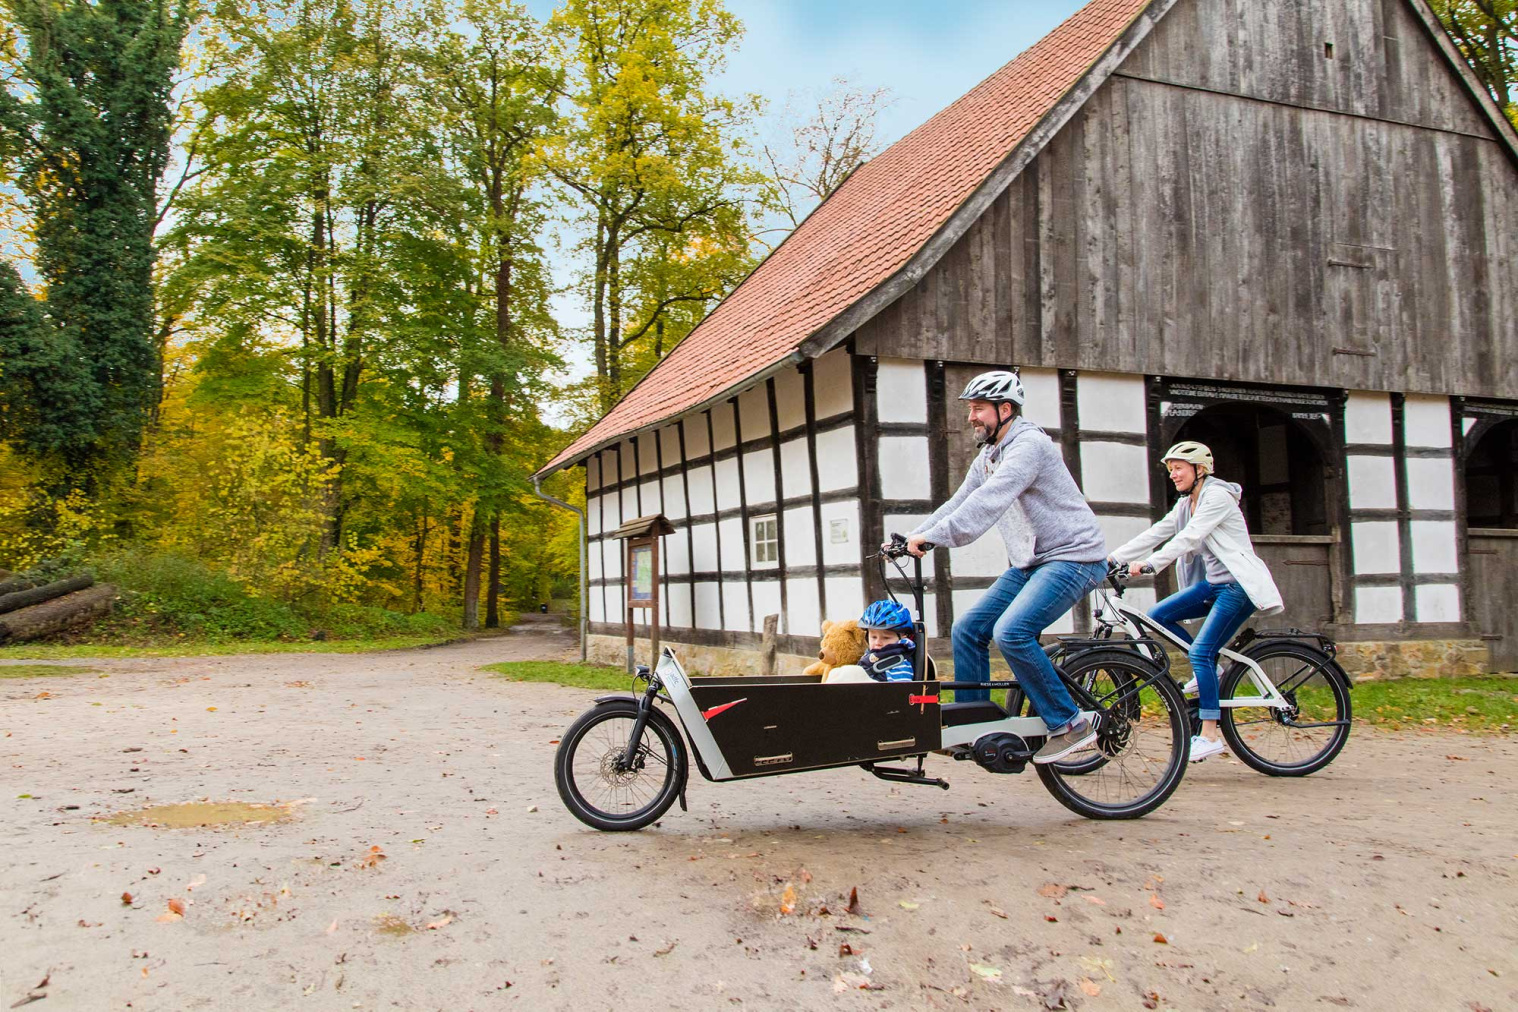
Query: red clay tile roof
(866, 230)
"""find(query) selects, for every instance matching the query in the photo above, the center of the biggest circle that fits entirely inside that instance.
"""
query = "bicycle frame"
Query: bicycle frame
(1140, 626)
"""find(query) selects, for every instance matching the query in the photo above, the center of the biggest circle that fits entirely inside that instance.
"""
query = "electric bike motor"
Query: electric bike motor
(1002, 752)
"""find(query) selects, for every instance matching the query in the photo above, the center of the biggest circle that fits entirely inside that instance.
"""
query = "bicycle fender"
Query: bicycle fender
(615, 699)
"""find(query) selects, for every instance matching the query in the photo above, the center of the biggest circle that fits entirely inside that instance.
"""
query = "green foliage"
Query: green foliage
(577, 676)
(42, 670)
(1487, 33)
(1464, 704)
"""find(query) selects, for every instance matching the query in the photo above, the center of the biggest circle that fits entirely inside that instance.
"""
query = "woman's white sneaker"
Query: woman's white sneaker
(1206, 748)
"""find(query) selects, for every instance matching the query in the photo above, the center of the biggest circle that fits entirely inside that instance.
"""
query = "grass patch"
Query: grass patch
(578, 676)
(1483, 703)
(42, 670)
(201, 648)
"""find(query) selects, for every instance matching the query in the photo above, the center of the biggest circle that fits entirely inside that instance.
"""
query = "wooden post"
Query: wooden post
(641, 544)
(653, 611)
(627, 561)
(768, 648)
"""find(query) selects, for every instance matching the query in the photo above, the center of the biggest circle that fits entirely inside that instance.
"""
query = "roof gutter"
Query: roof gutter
(584, 555)
(791, 359)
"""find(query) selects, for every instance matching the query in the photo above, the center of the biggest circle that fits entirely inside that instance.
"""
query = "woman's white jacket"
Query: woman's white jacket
(1219, 524)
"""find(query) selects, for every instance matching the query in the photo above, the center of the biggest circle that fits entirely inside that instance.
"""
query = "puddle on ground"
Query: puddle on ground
(389, 924)
(203, 814)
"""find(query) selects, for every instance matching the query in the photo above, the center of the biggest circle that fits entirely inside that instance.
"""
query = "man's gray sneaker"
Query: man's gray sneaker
(1080, 733)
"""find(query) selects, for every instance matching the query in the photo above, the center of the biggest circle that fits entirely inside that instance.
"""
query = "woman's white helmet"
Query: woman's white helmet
(998, 386)
(1192, 453)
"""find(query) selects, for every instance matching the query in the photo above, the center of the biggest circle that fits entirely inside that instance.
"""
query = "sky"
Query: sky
(927, 52)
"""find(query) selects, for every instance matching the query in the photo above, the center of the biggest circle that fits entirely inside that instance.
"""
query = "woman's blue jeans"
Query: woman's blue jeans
(1226, 608)
(1020, 605)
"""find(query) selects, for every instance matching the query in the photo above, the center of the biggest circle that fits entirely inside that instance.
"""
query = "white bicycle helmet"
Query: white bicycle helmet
(997, 386)
(1192, 453)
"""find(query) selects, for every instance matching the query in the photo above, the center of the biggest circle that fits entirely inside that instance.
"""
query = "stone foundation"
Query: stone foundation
(1378, 659)
(696, 660)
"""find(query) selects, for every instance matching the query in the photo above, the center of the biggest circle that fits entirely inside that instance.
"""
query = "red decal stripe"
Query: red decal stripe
(922, 699)
(709, 714)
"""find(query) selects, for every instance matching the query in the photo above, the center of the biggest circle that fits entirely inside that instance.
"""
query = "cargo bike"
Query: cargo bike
(625, 761)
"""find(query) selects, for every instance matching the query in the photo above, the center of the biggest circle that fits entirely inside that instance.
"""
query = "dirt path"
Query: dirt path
(1389, 881)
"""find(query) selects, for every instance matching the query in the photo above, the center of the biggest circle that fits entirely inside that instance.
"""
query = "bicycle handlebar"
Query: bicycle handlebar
(898, 547)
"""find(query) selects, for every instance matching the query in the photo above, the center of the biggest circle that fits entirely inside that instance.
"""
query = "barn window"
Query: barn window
(1328, 50)
(1491, 495)
(765, 540)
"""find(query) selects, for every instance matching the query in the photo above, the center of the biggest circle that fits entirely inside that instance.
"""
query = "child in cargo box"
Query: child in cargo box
(888, 626)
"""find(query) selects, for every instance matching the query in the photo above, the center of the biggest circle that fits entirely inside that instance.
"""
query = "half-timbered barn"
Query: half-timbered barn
(1284, 227)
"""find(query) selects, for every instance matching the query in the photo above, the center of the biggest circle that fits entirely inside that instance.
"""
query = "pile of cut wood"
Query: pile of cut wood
(30, 611)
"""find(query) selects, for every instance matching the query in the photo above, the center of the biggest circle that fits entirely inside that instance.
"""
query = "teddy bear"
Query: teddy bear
(842, 643)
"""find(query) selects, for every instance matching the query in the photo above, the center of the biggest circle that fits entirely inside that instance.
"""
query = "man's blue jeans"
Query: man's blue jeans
(1018, 607)
(1226, 608)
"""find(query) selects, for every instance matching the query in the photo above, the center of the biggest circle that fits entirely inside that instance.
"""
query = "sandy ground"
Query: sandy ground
(1385, 882)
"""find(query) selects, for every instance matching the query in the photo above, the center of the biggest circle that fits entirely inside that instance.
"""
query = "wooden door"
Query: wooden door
(1493, 601)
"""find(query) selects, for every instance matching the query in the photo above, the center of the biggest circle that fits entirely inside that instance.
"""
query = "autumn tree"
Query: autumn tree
(1487, 33)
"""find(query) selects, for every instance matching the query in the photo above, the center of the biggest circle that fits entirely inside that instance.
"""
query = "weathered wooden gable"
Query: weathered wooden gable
(1298, 191)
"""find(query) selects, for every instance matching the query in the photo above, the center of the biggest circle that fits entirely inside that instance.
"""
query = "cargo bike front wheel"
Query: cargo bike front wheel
(605, 787)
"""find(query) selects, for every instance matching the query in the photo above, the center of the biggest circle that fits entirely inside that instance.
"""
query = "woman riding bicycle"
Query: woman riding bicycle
(1220, 576)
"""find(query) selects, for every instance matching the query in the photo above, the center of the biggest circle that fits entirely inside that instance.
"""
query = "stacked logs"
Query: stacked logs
(28, 612)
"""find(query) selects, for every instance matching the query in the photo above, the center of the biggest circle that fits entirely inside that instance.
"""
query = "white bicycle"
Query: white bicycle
(1284, 698)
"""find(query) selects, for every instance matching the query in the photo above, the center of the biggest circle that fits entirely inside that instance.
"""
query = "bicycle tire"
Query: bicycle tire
(1245, 744)
(1121, 730)
(659, 729)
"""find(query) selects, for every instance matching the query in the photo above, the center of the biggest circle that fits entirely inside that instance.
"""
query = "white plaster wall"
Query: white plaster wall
(1367, 419)
(904, 467)
(1042, 406)
(592, 515)
(611, 512)
(708, 605)
(833, 385)
(904, 523)
(629, 500)
(669, 445)
(1376, 605)
(800, 538)
(1114, 472)
(1438, 602)
(735, 606)
(592, 473)
(1120, 530)
(1376, 547)
(610, 473)
(1372, 483)
(593, 568)
(730, 540)
(901, 391)
(704, 548)
(1426, 422)
(697, 443)
(651, 500)
(648, 453)
(1434, 547)
(728, 497)
(759, 477)
(767, 602)
(790, 399)
(612, 559)
(614, 612)
(803, 614)
(754, 412)
(629, 462)
(675, 551)
(597, 605)
(1109, 402)
(700, 480)
(677, 597)
(840, 553)
(724, 434)
(674, 496)
(845, 597)
(837, 460)
(1430, 483)
(795, 468)
(986, 556)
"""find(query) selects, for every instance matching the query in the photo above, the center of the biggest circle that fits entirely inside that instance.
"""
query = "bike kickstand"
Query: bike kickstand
(901, 776)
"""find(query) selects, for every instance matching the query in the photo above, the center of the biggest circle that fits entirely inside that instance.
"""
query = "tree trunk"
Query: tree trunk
(53, 616)
(421, 556)
(493, 588)
(24, 598)
(472, 572)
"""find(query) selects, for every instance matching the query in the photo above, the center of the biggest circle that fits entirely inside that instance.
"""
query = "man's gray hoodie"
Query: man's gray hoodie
(1022, 487)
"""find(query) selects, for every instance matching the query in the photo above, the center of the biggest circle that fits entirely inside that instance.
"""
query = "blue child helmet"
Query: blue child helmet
(888, 615)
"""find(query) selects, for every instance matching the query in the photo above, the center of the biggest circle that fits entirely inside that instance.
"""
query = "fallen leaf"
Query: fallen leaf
(853, 907)
(177, 906)
(373, 858)
(844, 949)
(332, 927)
(1262, 897)
(1457, 758)
(853, 982)
(1091, 987)
(998, 912)
(1161, 939)
(1053, 890)
(909, 905)
(441, 922)
(667, 949)
(1252, 947)
(788, 900)
(985, 972)
(210, 709)
(1152, 999)
(531, 809)
(806, 876)
(1095, 899)
(126, 899)
(196, 883)
(1156, 902)
(1051, 918)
